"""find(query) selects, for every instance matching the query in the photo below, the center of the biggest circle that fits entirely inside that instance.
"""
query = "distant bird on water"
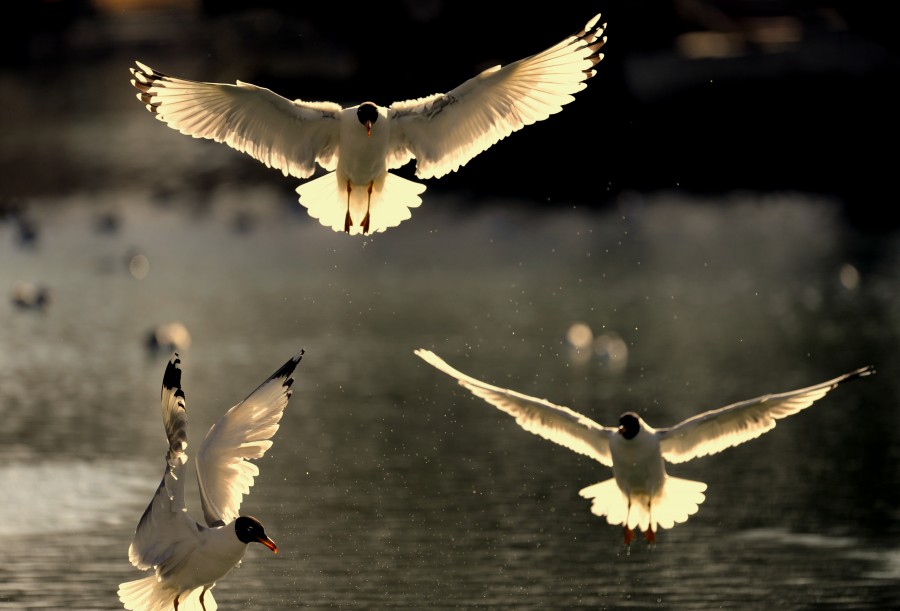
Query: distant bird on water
(642, 495)
(170, 336)
(187, 557)
(30, 296)
(359, 144)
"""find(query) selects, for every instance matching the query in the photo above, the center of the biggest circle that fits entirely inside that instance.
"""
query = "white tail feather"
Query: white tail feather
(325, 198)
(675, 503)
(149, 594)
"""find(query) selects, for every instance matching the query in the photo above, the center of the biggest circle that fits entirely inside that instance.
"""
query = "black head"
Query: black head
(250, 530)
(629, 425)
(367, 114)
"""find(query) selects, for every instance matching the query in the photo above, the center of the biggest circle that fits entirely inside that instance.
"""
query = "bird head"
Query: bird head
(367, 114)
(629, 425)
(250, 530)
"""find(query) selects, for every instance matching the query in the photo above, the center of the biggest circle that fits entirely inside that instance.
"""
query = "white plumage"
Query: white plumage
(187, 557)
(641, 494)
(359, 144)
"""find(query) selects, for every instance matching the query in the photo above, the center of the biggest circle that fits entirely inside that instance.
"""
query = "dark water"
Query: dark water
(389, 487)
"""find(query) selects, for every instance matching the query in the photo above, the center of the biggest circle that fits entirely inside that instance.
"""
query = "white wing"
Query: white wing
(554, 422)
(166, 534)
(444, 131)
(289, 136)
(716, 430)
(242, 434)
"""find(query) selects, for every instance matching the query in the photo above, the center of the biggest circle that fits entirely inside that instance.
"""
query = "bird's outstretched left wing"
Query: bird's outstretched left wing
(164, 534)
(718, 429)
(553, 422)
(289, 136)
(242, 434)
(444, 131)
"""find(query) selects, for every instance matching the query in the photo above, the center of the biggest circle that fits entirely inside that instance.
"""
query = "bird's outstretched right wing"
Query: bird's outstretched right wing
(722, 428)
(242, 434)
(445, 131)
(289, 136)
(554, 422)
(165, 533)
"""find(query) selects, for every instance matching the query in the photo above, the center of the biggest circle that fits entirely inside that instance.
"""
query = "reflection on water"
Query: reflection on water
(66, 497)
(389, 487)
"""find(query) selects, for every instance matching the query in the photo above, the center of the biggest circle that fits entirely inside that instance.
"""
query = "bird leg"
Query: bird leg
(365, 223)
(629, 534)
(203, 604)
(347, 221)
(649, 535)
(176, 603)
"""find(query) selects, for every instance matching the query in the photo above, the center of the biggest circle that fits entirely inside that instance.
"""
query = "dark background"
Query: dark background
(702, 96)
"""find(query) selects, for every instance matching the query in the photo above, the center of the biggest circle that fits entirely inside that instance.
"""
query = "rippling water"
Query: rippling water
(389, 487)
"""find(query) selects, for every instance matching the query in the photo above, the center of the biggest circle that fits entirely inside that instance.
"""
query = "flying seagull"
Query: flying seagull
(187, 557)
(357, 145)
(642, 495)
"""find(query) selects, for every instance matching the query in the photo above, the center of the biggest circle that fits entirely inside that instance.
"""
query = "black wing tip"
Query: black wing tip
(861, 372)
(145, 78)
(287, 369)
(594, 27)
(172, 376)
(592, 36)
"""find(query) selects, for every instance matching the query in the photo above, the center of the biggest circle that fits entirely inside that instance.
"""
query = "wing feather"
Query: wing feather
(555, 423)
(445, 131)
(242, 434)
(289, 136)
(716, 430)
(165, 534)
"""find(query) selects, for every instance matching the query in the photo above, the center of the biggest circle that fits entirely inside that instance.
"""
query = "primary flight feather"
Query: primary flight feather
(357, 145)
(641, 494)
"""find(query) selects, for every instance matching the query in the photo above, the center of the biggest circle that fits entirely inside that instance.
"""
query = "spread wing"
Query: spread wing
(554, 422)
(289, 136)
(716, 430)
(444, 131)
(166, 534)
(242, 434)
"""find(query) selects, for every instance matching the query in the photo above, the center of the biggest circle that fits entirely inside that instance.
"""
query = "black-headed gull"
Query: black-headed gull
(642, 495)
(188, 558)
(359, 144)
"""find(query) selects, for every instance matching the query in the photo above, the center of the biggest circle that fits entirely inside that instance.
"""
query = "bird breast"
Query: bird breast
(220, 552)
(361, 157)
(637, 463)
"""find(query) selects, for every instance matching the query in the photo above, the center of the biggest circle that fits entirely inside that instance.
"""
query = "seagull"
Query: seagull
(188, 557)
(357, 145)
(641, 494)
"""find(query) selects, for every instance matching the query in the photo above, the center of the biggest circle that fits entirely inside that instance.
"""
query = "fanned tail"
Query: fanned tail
(325, 198)
(146, 594)
(678, 500)
(149, 594)
(607, 500)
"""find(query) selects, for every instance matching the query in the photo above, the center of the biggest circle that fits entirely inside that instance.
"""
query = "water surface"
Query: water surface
(389, 486)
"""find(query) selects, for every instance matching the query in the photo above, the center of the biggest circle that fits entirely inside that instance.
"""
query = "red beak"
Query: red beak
(268, 543)
(369, 128)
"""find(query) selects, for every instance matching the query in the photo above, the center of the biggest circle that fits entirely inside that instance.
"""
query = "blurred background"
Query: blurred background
(710, 220)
